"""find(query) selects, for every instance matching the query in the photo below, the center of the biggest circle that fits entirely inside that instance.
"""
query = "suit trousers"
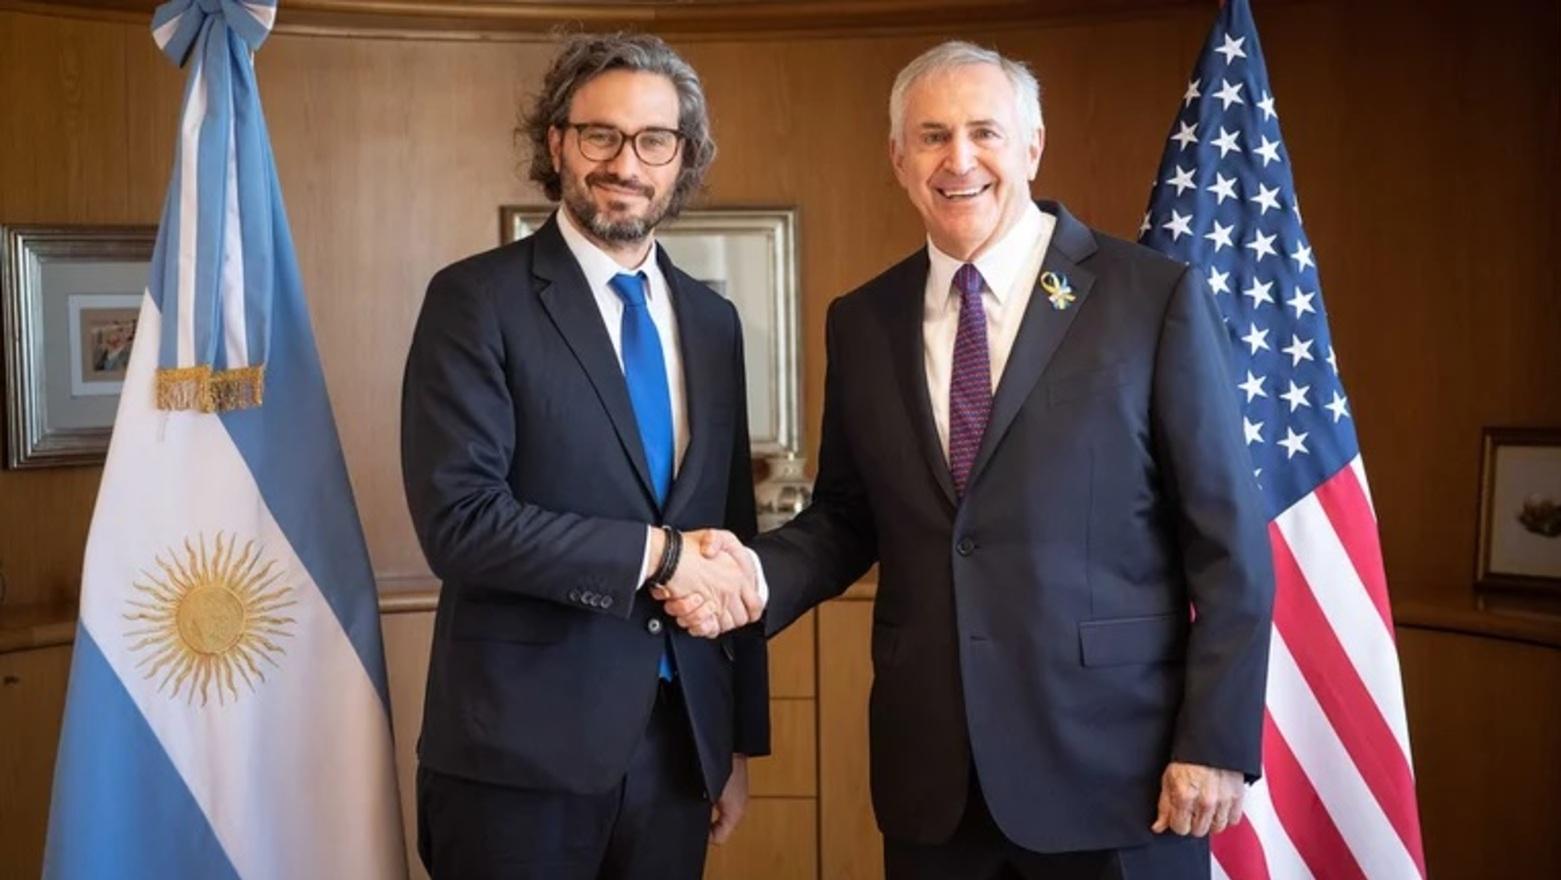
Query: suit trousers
(979, 851)
(653, 825)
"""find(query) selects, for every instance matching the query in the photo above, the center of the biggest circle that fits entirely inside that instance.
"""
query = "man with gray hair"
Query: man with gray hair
(572, 402)
(1029, 426)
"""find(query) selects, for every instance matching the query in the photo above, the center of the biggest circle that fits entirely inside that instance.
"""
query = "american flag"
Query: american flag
(1337, 798)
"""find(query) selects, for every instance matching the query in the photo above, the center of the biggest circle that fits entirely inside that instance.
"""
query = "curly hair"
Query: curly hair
(584, 56)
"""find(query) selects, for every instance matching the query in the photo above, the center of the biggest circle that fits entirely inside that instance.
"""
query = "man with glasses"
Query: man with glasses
(572, 403)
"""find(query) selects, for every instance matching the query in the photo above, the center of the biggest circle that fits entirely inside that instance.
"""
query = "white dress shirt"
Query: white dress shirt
(599, 269)
(1010, 268)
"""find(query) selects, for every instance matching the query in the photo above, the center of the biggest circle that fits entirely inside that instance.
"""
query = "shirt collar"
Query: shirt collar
(597, 265)
(1001, 264)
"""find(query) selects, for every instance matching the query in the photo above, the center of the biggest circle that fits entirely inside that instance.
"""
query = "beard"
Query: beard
(626, 230)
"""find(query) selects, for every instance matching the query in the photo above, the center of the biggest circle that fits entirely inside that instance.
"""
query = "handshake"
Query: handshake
(713, 587)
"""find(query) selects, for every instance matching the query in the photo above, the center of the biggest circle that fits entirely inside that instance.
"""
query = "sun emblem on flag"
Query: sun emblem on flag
(211, 619)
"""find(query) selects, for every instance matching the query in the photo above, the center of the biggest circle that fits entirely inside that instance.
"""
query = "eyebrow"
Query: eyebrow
(939, 126)
(601, 124)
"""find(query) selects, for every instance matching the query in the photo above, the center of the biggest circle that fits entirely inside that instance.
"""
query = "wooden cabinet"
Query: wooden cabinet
(32, 698)
(779, 836)
(849, 843)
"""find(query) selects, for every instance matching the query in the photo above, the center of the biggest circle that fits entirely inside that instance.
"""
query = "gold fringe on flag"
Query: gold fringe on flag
(203, 389)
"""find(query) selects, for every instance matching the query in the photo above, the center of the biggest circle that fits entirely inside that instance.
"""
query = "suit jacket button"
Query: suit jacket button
(653, 626)
(604, 602)
(574, 595)
(965, 546)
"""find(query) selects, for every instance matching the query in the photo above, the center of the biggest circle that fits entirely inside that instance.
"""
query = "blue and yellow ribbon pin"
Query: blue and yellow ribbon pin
(1058, 290)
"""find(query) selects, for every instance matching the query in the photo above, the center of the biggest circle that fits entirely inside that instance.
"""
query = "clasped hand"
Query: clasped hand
(714, 589)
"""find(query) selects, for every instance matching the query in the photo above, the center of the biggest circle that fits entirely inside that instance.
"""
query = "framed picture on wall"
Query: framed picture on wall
(69, 299)
(749, 256)
(1520, 511)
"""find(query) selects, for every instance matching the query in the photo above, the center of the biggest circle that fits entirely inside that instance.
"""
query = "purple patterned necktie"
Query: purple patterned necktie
(970, 383)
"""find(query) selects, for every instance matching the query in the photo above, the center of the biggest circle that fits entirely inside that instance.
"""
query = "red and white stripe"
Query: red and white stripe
(1338, 794)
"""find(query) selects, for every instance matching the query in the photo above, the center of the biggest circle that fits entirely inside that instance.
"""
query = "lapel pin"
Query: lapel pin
(1057, 290)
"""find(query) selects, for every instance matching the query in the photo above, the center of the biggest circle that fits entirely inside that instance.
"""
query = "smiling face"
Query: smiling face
(964, 157)
(617, 202)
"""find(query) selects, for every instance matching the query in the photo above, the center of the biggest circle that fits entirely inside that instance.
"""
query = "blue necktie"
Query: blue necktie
(645, 371)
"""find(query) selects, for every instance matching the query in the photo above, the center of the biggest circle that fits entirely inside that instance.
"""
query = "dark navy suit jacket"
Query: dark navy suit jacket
(1039, 628)
(530, 495)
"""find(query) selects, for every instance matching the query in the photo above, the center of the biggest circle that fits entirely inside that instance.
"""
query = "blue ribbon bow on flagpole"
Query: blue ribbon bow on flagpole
(213, 269)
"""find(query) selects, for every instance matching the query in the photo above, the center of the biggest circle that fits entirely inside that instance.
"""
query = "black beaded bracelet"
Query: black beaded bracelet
(671, 550)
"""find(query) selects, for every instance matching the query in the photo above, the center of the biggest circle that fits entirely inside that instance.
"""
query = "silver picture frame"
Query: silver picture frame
(67, 294)
(748, 255)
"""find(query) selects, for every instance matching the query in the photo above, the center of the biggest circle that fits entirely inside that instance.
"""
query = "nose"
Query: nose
(625, 165)
(961, 157)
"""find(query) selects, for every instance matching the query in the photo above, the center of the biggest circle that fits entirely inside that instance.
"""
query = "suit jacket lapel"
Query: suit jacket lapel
(1042, 328)
(903, 319)
(567, 298)
(700, 332)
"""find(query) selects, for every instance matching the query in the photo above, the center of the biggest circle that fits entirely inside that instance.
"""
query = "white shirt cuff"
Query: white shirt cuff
(758, 571)
(645, 561)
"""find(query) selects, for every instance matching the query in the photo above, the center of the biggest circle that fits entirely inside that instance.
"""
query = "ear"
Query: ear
(1034, 151)
(555, 146)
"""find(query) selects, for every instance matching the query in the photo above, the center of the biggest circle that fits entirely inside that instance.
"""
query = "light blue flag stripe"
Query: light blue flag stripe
(163, 280)
(103, 793)
(211, 200)
(256, 171)
(305, 484)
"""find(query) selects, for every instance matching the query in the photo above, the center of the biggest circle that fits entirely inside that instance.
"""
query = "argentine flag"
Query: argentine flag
(227, 714)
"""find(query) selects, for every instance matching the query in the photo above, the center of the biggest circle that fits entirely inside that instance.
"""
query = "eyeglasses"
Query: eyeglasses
(603, 143)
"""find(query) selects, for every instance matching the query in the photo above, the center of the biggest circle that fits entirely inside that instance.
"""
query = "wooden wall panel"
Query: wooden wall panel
(408, 637)
(1426, 190)
(394, 158)
(1484, 723)
(32, 697)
